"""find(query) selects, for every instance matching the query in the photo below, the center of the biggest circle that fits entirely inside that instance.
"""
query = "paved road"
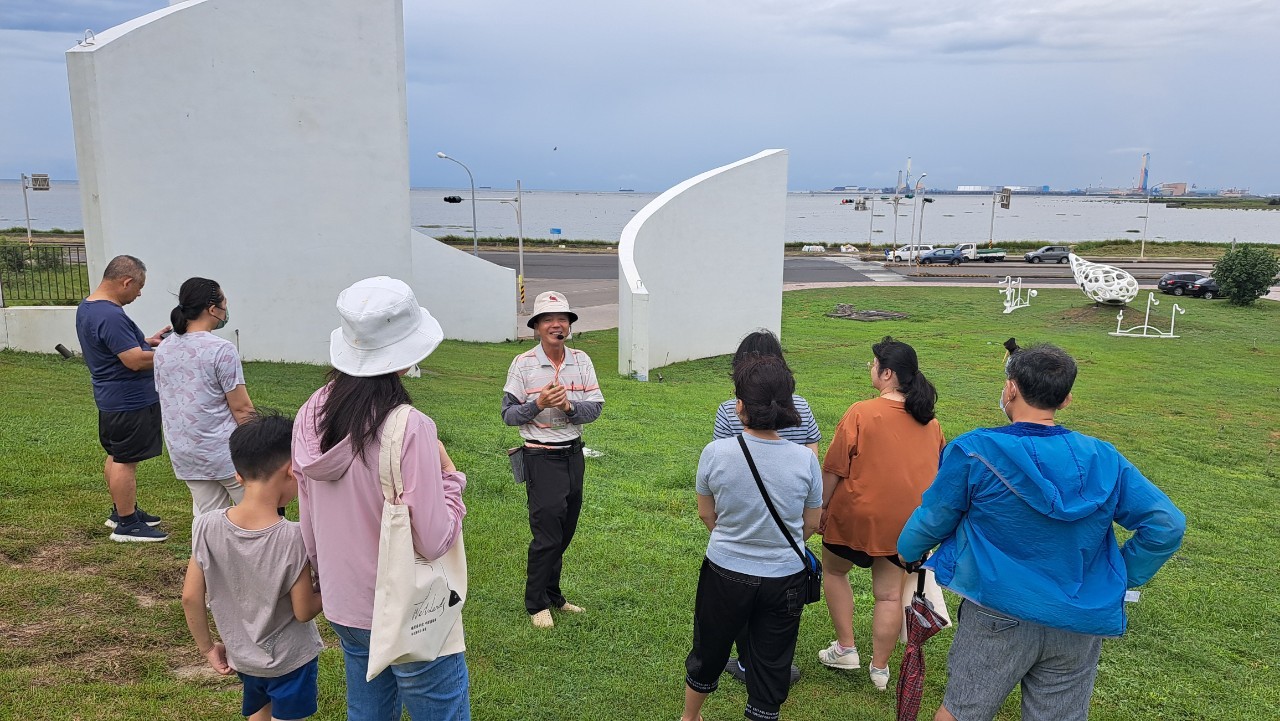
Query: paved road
(837, 269)
(604, 266)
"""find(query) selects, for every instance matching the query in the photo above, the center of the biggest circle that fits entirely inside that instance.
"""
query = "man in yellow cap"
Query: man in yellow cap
(551, 392)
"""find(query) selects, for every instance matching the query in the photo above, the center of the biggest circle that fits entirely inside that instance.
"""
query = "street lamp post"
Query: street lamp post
(915, 205)
(516, 203)
(475, 241)
(920, 239)
(872, 226)
(1146, 215)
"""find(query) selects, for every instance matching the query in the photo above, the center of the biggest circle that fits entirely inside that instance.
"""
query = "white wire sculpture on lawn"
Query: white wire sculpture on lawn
(1148, 330)
(1103, 283)
(1014, 298)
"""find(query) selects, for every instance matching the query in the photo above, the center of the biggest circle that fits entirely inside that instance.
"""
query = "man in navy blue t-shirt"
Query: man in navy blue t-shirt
(120, 361)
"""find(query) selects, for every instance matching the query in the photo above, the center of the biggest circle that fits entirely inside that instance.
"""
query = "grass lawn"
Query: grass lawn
(89, 628)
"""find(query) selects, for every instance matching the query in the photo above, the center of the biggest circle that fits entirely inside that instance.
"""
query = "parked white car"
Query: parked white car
(909, 252)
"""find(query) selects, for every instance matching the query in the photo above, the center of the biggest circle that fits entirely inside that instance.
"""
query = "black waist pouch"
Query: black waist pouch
(516, 455)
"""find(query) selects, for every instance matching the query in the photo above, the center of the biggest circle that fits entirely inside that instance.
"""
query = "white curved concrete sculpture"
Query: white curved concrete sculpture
(701, 265)
(1103, 283)
(265, 145)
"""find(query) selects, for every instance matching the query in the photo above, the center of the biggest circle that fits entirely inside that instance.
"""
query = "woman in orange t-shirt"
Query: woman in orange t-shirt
(883, 456)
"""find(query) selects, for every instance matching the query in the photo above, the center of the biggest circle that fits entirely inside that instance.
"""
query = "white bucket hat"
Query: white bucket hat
(384, 330)
(551, 302)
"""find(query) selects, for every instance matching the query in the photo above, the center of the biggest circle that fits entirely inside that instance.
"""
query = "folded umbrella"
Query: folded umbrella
(922, 623)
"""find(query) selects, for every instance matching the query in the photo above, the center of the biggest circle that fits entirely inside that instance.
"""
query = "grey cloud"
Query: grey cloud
(1033, 30)
(73, 15)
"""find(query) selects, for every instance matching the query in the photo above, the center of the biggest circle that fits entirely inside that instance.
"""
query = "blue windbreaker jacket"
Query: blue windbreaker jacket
(1024, 517)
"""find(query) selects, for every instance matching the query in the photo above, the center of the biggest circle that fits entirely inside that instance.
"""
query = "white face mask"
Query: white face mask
(1003, 409)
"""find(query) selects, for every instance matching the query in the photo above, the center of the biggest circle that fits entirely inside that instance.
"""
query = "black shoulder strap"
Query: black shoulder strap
(768, 502)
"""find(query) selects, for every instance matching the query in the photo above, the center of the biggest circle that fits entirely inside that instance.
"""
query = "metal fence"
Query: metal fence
(42, 274)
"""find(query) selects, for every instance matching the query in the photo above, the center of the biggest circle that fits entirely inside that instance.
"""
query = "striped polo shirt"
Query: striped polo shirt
(531, 371)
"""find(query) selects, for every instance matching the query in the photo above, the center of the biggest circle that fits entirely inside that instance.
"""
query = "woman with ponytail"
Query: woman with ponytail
(883, 456)
(202, 396)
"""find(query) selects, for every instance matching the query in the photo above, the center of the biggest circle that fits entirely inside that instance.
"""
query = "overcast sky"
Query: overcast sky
(591, 95)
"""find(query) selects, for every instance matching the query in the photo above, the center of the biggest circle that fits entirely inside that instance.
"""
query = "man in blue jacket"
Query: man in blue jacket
(1022, 517)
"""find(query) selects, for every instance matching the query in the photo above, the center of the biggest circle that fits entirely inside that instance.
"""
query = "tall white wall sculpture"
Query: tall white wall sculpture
(1103, 283)
(264, 145)
(701, 265)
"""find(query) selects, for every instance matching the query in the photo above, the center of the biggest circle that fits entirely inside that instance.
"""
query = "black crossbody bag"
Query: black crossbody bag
(812, 592)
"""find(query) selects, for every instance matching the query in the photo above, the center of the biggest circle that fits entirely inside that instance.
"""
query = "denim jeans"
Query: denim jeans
(432, 691)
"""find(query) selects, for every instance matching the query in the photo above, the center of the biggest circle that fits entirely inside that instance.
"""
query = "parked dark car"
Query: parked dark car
(950, 256)
(1178, 283)
(1048, 254)
(1206, 288)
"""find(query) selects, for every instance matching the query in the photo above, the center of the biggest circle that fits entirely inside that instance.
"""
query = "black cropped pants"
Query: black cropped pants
(769, 609)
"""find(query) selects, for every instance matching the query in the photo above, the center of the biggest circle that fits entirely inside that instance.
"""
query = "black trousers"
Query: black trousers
(554, 485)
(770, 610)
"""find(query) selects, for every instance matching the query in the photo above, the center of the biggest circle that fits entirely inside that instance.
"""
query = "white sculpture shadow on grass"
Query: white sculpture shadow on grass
(1014, 298)
(1103, 283)
(1148, 330)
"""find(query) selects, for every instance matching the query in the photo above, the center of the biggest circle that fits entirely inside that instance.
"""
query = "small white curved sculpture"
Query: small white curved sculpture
(1103, 283)
(1013, 295)
(1146, 330)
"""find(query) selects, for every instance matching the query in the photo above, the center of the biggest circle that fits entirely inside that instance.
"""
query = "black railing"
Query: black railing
(43, 274)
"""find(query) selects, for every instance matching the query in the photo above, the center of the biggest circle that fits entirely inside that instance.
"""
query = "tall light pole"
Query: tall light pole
(516, 203)
(475, 241)
(920, 239)
(896, 200)
(916, 203)
(1146, 215)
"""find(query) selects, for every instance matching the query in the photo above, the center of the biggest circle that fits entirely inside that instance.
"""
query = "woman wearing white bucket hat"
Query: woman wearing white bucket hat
(336, 445)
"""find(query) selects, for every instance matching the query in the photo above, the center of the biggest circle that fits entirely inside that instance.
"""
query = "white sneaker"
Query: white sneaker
(879, 676)
(831, 656)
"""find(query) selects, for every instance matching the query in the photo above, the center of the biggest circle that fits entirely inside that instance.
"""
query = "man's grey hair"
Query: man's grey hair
(124, 266)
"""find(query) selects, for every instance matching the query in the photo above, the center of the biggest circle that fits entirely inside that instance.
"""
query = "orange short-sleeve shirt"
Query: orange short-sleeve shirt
(886, 460)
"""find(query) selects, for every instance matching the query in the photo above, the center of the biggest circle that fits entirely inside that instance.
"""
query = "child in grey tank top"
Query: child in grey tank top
(254, 567)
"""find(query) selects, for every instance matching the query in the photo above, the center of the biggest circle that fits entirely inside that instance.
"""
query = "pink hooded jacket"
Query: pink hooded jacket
(340, 507)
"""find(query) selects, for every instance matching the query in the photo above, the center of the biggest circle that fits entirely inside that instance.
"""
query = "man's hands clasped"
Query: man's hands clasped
(554, 395)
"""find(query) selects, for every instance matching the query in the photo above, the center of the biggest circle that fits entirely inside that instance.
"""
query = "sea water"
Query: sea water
(811, 217)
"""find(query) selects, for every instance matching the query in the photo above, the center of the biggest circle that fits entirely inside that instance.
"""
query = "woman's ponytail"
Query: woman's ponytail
(900, 358)
(178, 319)
(921, 396)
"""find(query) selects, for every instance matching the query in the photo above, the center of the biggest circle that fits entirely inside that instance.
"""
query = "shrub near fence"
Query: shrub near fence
(43, 274)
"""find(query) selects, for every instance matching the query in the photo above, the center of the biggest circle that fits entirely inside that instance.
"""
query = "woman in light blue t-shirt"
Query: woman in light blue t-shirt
(752, 577)
(805, 433)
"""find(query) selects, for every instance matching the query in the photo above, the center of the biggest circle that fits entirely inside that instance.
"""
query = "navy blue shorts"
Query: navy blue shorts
(292, 696)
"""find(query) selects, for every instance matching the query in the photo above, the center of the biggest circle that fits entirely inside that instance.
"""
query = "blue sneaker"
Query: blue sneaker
(137, 532)
(114, 519)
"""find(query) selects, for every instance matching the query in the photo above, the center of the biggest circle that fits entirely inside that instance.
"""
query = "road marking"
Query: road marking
(874, 271)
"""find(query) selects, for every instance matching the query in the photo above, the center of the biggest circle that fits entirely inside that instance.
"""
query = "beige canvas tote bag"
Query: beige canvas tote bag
(416, 602)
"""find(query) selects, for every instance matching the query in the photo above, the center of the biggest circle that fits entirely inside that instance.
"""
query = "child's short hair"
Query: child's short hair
(262, 444)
